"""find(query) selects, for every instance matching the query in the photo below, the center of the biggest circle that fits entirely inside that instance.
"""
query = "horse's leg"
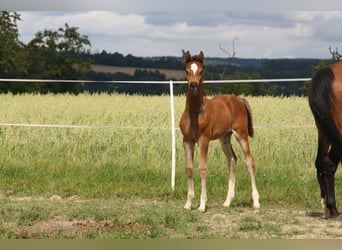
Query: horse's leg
(231, 162)
(331, 163)
(203, 145)
(189, 155)
(322, 153)
(243, 140)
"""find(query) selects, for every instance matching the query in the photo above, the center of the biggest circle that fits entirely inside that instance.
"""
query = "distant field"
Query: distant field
(116, 182)
(170, 74)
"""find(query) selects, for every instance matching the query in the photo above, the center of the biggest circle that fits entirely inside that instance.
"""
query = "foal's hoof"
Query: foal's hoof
(187, 205)
(201, 210)
(256, 208)
(226, 204)
(187, 208)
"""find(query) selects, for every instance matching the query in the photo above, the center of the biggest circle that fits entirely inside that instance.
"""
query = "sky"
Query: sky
(164, 28)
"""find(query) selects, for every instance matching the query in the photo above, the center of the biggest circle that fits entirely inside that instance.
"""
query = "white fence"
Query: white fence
(158, 82)
(171, 83)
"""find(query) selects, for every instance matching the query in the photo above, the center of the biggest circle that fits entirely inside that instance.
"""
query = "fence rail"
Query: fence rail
(157, 82)
(173, 128)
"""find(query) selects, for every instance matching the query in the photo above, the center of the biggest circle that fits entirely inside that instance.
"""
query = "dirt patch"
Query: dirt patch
(57, 226)
(54, 197)
(273, 223)
(27, 217)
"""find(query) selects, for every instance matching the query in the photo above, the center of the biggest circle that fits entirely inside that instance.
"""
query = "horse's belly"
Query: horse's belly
(218, 132)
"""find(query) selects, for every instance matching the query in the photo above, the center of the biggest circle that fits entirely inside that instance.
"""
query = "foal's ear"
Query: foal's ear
(201, 56)
(187, 57)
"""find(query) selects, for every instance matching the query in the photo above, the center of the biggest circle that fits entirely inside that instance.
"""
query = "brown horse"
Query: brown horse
(218, 118)
(325, 99)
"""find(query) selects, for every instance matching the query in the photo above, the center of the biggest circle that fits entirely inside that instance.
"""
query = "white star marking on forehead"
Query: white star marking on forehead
(194, 67)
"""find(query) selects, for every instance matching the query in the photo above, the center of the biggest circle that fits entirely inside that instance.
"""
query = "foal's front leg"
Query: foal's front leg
(189, 156)
(203, 145)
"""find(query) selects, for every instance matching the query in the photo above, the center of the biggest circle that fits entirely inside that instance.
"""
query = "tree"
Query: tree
(231, 55)
(336, 57)
(12, 51)
(56, 54)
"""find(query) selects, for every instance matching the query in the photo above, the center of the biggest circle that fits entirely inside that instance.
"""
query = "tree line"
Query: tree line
(64, 54)
(51, 54)
(215, 68)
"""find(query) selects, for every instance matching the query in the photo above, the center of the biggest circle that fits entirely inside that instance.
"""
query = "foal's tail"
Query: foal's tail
(320, 96)
(249, 117)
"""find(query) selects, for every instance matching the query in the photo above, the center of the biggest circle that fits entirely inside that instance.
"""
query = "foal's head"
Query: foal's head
(193, 69)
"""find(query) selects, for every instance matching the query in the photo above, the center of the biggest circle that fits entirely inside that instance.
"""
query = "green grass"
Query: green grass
(128, 162)
(151, 219)
(133, 161)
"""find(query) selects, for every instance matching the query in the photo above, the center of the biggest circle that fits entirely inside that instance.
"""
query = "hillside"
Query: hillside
(169, 73)
(107, 66)
(172, 67)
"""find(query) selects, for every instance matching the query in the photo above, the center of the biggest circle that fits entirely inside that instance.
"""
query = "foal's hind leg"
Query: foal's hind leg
(242, 138)
(231, 162)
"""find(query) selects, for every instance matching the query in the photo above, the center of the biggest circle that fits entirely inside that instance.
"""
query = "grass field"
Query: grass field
(115, 182)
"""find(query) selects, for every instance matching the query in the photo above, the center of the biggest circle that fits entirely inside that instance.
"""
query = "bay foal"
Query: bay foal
(209, 119)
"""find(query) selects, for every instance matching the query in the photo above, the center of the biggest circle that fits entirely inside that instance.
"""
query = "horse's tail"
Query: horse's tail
(320, 96)
(249, 117)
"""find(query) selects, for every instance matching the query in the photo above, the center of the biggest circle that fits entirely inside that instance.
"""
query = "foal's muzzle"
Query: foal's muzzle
(193, 86)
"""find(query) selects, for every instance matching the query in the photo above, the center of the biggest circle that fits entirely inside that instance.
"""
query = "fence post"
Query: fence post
(173, 139)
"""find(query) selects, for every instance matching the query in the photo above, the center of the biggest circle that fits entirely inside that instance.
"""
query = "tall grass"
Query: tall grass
(133, 160)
